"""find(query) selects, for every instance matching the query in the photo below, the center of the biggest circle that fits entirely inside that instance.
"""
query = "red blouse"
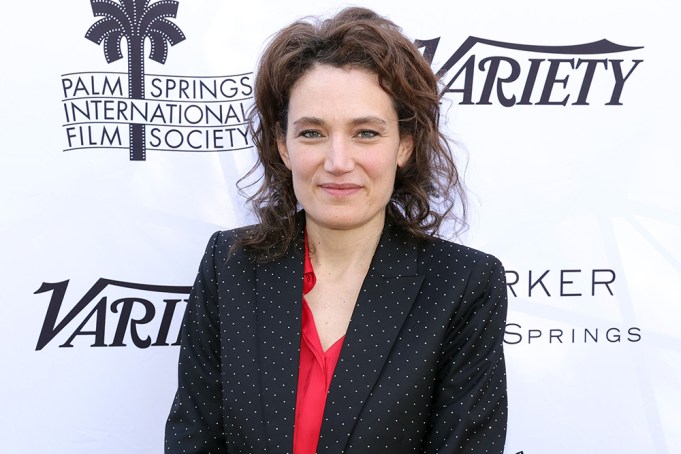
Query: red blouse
(314, 374)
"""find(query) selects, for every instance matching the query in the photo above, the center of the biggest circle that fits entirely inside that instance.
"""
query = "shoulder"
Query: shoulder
(222, 249)
(232, 248)
(437, 252)
(475, 279)
(434, 257)
(227, 238)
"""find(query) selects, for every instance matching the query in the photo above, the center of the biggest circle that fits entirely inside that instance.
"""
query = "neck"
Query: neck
(336, 251)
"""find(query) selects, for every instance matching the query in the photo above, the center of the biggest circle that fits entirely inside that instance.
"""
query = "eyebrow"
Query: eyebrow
(369, 119)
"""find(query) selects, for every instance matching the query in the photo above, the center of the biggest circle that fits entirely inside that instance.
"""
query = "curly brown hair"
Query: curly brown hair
(427, 187)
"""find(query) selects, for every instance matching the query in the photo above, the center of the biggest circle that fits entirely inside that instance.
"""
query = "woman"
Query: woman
(339, 323)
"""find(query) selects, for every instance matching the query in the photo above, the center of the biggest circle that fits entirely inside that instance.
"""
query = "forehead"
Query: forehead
(331, 91)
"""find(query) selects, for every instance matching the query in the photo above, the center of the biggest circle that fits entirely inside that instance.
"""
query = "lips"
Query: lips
(340, 189)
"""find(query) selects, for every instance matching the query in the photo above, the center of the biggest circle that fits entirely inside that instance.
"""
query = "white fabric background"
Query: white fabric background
(552, 188)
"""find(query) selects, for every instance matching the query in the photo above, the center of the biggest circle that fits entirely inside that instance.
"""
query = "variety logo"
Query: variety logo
(150, 316)
(486, 72)
(160, 112)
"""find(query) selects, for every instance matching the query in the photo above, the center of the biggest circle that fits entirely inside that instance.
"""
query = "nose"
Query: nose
(339, 158)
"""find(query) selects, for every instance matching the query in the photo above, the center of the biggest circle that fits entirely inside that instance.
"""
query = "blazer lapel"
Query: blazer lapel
(279, 288)
(385, 300)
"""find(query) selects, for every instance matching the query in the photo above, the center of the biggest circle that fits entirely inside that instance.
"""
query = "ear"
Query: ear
(405, 150)
(282, 148)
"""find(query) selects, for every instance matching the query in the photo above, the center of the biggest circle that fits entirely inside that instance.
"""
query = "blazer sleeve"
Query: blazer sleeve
(470, 403)
(195, 424)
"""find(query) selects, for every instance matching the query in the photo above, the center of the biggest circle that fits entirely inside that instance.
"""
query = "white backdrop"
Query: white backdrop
(584, 194)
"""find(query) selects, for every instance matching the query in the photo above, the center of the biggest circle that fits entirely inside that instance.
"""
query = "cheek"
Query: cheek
(382, 167)
(301, 167)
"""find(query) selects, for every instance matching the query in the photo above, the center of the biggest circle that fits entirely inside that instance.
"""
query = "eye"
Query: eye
(367, 134)
(310, 134)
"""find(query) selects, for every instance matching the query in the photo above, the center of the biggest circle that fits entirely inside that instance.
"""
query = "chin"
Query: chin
(345, 221)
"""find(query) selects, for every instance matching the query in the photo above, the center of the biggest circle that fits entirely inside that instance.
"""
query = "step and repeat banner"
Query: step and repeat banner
(119, 157)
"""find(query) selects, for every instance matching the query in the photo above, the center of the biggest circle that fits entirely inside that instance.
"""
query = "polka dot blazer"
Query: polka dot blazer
(421, 368)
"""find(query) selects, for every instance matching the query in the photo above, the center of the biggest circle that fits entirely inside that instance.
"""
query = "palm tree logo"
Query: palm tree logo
(136, 20)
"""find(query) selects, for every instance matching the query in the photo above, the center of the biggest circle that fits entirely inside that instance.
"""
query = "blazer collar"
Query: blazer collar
(385, 300)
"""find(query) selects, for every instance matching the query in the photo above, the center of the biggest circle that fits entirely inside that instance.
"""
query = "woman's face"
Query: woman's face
(343, 147)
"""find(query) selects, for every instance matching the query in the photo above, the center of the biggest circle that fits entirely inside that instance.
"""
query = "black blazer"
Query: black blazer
(421, 368)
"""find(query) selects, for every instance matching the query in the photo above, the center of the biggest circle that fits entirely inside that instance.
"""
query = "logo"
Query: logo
(114, 314)
(569, 284)
(208, 113)
(486, 72)
(159, 112)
